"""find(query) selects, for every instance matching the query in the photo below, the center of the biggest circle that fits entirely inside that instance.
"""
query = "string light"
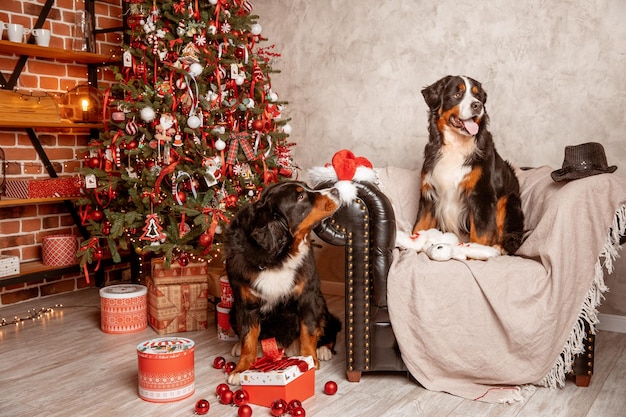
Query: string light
(33, 314)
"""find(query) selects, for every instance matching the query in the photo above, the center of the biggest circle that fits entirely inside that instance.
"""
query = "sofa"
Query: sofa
(367, 229)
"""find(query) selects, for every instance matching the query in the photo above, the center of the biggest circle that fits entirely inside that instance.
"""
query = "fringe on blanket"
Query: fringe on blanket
(589, 313)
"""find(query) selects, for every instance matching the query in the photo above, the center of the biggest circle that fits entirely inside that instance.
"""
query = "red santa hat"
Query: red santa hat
(343, 171)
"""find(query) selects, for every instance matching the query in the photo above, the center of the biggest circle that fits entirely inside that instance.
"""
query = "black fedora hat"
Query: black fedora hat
(581, 161)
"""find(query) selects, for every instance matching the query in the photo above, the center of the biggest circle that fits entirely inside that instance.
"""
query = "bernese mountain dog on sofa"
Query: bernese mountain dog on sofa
(467, 188)
(271, 269)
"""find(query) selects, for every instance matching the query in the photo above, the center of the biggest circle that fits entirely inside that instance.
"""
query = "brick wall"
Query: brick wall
(22, 228)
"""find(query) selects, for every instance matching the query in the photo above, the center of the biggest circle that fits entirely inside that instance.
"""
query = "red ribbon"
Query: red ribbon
(91, 243)
(273, 360)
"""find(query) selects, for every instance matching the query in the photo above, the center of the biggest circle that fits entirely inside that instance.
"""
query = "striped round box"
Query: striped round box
(166, 369)
(123, 308)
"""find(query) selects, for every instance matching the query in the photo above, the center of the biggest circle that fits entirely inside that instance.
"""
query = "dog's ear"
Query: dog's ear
(433, 93)
(271, 231)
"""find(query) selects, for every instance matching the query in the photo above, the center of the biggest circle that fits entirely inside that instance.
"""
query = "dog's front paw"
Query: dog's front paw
(234, 378)
(236, 349)
(324, 353)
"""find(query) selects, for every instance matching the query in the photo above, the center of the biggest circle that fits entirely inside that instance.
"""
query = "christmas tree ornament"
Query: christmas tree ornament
(131, 127)
(193, 122)
(330, 388)
(147, 114)
(229, 367)
(152, 230)
(220, 145)
(297, 412)
(256, 29)
(96, 215)
(219, 362)
(195, 69)
(226, 397)
(278, 407)
(220, 389)
(183, 260)
(244, 411)
(202, 407)
(293, 404)
(240, 397)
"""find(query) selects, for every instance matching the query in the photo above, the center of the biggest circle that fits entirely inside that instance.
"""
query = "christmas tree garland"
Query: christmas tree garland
(193, 131)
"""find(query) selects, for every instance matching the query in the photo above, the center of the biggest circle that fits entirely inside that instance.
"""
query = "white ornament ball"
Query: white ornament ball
(220, 145)
(193, 122)
(256, 29)
(213, 2)
(287, 128)
(181, 84)
(195, 69)
(273, 97)
(147, 114)
(250, 103)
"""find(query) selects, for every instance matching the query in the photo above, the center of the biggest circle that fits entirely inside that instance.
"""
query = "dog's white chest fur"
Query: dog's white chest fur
(445, 179)
(276, 284)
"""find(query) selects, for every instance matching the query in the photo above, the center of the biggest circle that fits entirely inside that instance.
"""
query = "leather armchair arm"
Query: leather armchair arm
(367, 229)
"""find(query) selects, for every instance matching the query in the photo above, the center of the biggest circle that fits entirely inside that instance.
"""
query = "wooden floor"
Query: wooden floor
(64, 365)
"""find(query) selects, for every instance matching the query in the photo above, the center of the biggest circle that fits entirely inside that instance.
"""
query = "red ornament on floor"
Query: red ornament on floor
(330, 388)
(297, 412)
(279, 408)
(226, 397)
(219, 362)
(240, 398)
(244, 411)
(228, 368)
(202, 407)
(221, 388)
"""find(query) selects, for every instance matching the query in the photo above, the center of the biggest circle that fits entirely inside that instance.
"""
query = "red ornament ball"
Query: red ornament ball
(258, 124)
(219, 362)
(279, 407)
(330, 388)
(182, 196)
(228, 368)
(183, 260)
(240, 397)
(221, 388)
(244, 411)
(94, 162)
(98, 254)
(226, 397)
(97, 215)
(202, 407)
(205, 240)
(293, 404)
(297, 412)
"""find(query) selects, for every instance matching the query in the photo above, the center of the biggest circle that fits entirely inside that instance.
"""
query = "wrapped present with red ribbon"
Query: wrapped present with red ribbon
(275, 376)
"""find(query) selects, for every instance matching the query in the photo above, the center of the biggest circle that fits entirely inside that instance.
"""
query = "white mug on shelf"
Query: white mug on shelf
(42, 36)
(16, 32)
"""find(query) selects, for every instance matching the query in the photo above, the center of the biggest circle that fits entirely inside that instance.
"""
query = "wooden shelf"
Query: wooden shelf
(7, 47)
(12, 202)
(24, 124)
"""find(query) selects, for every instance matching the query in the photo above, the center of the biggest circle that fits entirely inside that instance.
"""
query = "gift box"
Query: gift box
(166, 369)
(43, 188)
(9, 265)
(177, 297)
(59, 250)
(273, 376)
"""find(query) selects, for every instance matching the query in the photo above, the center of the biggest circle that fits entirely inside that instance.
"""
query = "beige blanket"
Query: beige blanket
(480, 330)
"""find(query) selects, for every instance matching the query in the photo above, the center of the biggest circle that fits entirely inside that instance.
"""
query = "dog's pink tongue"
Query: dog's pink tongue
(471, 126)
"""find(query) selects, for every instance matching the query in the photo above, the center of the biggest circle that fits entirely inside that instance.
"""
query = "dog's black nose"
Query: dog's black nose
(477, 106)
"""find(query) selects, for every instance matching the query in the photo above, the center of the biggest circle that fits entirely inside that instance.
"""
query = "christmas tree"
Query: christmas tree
(195, 132)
